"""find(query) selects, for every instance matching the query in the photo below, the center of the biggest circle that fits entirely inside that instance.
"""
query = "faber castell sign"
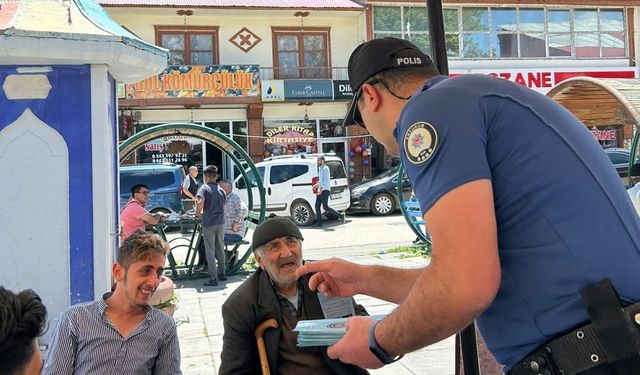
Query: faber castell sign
(199, 81)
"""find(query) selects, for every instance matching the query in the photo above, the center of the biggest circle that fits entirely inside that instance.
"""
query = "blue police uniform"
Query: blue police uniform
(563, 217)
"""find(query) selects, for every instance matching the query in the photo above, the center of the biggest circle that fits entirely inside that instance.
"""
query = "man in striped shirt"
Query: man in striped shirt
(120, 333)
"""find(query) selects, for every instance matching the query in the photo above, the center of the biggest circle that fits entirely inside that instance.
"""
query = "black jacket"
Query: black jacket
(251, 304)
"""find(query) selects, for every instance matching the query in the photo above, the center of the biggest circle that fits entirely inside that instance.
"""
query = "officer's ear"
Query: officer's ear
(371, 97)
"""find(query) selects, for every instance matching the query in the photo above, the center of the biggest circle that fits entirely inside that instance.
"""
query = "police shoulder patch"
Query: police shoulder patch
(420, 142)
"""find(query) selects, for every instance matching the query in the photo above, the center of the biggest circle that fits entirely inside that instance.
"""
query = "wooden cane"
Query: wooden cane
(262, 350)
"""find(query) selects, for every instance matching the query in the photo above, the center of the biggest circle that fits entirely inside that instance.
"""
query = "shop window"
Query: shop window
(612, 36)
(532, 37)
(475, 29)
(452, 32)
(301, 53)
(483, 32)
(331, 128)
(404, 22)
(190, 45)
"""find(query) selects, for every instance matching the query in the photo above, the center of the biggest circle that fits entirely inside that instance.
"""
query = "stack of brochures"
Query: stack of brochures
(322, 332)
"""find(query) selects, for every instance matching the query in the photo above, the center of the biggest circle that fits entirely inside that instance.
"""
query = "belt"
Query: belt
(577, 351)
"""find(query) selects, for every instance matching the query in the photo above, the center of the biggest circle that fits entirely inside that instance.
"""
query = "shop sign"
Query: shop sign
(308, 89)
(272, 90)
(604, 135)
(286, 134)
(542, 80)
(198, 81)
(342, 89)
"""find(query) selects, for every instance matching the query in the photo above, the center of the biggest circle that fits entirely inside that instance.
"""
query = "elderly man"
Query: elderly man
(274, 291)
(235, 211)
(189, 191)
(23, 318)
(120, 333)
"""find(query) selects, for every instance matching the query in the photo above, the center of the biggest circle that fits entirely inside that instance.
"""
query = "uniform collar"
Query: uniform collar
(433, 81)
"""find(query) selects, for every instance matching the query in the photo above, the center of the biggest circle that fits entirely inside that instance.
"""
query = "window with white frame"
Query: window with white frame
(474, 32)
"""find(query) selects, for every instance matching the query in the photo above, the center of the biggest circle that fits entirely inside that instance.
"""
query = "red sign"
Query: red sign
(604, 135)
(543, 80)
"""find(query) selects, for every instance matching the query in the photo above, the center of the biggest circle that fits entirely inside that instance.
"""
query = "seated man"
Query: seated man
(134, 215)
(22, 319)
(120, 333)
(235, 211)
(274, 291)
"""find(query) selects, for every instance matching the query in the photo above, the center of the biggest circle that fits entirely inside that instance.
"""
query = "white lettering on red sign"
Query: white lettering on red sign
(604, 135)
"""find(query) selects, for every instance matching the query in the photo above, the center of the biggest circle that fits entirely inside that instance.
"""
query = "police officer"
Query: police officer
(528, 219)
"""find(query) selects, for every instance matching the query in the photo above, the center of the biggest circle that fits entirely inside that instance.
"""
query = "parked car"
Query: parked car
(378, 195)
(287, 185)
(164, 182)
(620, 159)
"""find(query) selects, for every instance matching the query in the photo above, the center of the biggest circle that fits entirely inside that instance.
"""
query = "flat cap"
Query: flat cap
(275, 227)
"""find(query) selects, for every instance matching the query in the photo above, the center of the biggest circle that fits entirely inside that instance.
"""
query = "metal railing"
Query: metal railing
(336, 73)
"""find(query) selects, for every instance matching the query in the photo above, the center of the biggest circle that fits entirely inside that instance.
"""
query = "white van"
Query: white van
(287, 186)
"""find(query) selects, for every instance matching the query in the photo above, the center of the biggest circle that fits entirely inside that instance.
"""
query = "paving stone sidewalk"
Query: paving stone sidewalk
(200, 328)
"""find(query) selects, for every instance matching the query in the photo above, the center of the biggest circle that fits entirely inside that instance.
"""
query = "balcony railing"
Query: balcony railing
(336, 73)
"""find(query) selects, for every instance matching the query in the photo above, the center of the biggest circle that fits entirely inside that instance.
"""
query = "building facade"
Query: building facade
(273, 76)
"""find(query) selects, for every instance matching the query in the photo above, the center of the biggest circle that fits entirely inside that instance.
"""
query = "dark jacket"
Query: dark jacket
(251, 304)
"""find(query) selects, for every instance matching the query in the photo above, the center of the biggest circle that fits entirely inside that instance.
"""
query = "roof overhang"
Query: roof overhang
(600, 101)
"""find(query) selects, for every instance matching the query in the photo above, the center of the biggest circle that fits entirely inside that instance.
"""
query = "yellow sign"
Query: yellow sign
(199, 81)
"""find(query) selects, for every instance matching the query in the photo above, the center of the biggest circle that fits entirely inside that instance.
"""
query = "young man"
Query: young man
(134, 215)
(211, 207)
(324, 191)
(274, 291)
(22, 319)
(120, 333)
(516, 246)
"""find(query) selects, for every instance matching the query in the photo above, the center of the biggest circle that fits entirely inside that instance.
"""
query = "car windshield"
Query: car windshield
(388, 173)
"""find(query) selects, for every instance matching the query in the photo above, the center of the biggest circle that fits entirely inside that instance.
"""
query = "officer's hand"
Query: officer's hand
(333, 277)
(354, 346)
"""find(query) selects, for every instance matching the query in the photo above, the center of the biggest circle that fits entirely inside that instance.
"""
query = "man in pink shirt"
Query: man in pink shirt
(134, 215)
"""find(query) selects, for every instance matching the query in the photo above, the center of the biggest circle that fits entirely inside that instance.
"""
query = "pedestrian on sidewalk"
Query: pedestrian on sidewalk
(211, 207)
(274, 291)
(520, 201)
(323, 189)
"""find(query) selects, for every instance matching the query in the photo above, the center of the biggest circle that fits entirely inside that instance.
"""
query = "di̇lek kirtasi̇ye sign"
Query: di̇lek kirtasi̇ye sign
(199, 81)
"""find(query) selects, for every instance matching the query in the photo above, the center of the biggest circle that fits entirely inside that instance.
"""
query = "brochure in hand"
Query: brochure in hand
(322, 332)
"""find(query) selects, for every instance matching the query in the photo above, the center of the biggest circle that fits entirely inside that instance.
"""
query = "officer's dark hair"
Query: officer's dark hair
(22, 318)
(136, 188)
(398, 78)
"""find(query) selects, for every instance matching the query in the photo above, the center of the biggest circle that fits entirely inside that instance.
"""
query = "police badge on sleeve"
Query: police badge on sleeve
(420, 142)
